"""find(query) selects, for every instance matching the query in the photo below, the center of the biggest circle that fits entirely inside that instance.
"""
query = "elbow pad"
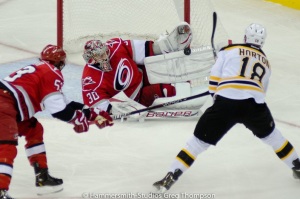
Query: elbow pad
(66, 114)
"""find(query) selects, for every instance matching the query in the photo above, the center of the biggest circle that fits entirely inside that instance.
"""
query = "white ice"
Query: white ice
(130, 156)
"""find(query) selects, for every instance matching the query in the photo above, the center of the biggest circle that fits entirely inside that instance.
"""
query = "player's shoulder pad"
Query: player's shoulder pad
(230, 46)
(47, 70)
(255, 47)
(242, 45)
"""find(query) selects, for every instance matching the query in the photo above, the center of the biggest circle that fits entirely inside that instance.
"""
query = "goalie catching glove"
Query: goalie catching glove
(179, 39)
(100, 117)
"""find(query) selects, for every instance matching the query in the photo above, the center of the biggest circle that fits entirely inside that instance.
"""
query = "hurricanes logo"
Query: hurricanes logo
(87, 81)
(123, 76)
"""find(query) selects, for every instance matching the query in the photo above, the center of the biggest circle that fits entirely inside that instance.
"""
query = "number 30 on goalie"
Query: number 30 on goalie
(92, 96)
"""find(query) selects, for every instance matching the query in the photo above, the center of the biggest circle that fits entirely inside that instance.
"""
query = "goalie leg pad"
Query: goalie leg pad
(152, 92)
(177, 67)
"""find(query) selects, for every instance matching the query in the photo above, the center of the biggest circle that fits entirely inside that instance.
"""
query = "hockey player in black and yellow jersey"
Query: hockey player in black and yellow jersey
(238, 84)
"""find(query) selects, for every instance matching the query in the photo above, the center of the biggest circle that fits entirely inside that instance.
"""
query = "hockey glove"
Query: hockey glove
(179, 39)
(101, 118)
(80, 122)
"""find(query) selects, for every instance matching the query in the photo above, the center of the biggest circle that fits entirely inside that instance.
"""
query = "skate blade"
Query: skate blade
(49, 190)
(160, 189)
(295, 176)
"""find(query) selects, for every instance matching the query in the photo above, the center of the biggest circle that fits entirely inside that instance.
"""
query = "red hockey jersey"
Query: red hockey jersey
(98, 86)
(36, 87)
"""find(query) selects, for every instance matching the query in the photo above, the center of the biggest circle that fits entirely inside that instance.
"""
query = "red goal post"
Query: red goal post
(82, 20)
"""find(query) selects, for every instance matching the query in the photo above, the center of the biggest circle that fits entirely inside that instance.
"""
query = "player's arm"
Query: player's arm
(215, 74)
(99, 113)
(76, 113)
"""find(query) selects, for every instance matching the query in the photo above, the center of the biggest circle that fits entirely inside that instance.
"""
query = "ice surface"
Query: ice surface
(130, 156)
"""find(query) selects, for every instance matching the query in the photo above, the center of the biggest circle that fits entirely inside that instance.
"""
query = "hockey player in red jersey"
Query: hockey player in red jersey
(27, 91)
(117, 65)
(238, 83)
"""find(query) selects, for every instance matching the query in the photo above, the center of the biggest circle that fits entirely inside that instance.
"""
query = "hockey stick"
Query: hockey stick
(213, 33)
(161, 105)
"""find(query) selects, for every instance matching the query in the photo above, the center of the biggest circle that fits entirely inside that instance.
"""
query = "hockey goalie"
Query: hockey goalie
(127, 75)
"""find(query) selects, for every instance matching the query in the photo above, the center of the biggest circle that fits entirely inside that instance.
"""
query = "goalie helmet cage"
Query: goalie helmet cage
(80, 20)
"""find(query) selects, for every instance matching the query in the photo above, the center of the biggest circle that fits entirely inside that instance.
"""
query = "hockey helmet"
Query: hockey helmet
(255, 34)
(54, 55)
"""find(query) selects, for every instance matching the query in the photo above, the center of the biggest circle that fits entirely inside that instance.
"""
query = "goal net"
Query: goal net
(82, 20)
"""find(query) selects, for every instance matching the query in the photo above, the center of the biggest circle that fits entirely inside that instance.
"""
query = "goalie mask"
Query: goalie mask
(255, 34)
(97, 53)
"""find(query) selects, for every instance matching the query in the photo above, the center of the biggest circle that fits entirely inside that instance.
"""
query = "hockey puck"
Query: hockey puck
(187, 51)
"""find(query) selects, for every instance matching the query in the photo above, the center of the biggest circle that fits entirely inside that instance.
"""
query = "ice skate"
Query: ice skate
(296, 169)
(45, 183)
(4, 195)
(167, 182)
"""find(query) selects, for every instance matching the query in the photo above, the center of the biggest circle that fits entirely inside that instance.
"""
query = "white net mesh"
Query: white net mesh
(134, 19)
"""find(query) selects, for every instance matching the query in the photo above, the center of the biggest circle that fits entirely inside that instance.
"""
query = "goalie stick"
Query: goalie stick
(119, 116)
(213, 33)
